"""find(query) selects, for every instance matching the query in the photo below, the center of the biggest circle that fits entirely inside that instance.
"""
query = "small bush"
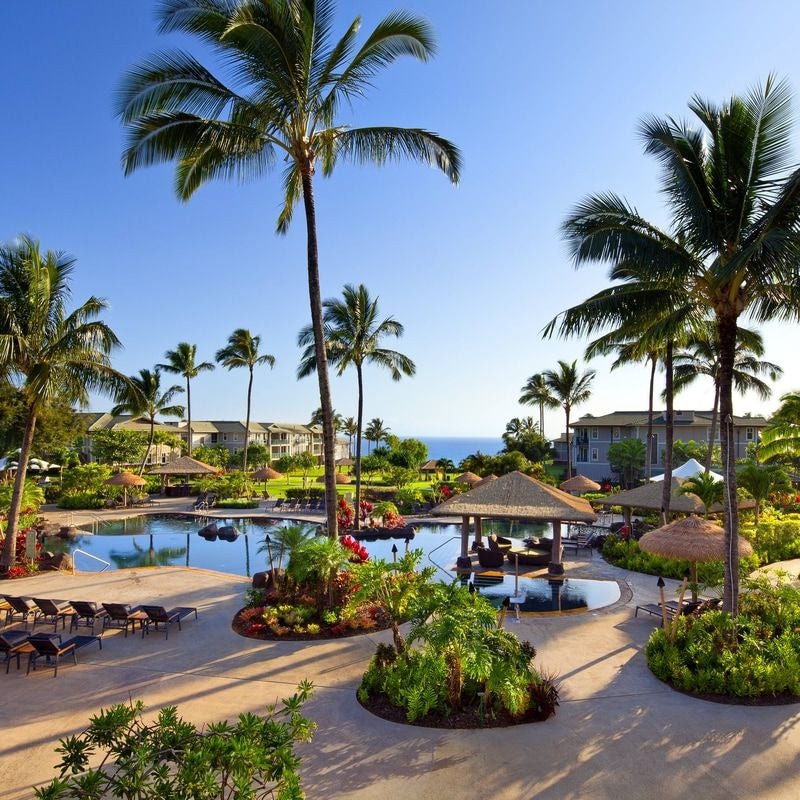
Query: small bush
(82, 500)
(237, 502)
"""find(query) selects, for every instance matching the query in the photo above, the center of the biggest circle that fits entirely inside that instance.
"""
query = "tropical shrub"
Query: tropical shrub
(237, 502)
(407, 497)
(85, 478)
(775, 538)
(82, 500)
(305, 493)
(171, 757)
(756, 654)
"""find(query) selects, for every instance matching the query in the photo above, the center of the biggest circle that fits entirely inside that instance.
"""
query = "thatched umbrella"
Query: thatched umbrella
(345, 462)
(266, 474)
(185, 465)
(125, 479)
(579, 484)
(516, 496)
(487, 479)
(340, 478)
(691, 539)
(469, 477)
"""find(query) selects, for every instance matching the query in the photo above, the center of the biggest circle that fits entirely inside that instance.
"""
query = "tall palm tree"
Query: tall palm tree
(569, 389)
(702, 357)
(350, 429)
(353, 335)
(143, 398)
(733, 195)
(318, 416)
(781, 440)
(242, 351)
(181, 361)
(46, 351)
(287, 82)
(536, 392)
(376, 431)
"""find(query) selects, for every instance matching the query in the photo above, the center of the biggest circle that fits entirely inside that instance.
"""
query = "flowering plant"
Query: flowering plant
(358, 550)
(364, 510)
(345, 514)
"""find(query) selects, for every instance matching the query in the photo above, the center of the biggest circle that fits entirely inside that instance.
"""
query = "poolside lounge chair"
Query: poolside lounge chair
(52, 650)
(201, 504)
(583, 538)
(490, 559)
(159, 615)
(86, 613)
(9, 643)
(674, 608)
(121, 615)
(23, 606)
(278, 504)
(51, 611)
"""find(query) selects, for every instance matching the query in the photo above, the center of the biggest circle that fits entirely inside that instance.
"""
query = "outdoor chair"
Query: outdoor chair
(46, 647)
(201, 504)
(490, 559)
(159, 615)
(291, 505)
(278, 504)
(51, 611)
(120, 615)
(582, 539)
(9, 643)
(499, 544)
(86, 613)
(23, 606)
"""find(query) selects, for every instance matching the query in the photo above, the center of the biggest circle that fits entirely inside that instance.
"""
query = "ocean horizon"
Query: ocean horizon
(456, 448)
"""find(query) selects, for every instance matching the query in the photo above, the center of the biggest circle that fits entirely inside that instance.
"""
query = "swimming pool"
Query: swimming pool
(173, 540)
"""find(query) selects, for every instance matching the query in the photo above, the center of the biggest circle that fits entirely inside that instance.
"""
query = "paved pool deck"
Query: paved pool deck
(619, 733)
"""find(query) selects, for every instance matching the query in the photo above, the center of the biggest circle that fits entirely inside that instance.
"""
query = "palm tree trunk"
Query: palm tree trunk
(189, 413)
(669, 429)
(149, 444)
(569, 446)
(726, 326)
(648, 463)
(315, 301)
(714, 417)
(9, 555)
(247, 422)
(359, 423)
(541, 417)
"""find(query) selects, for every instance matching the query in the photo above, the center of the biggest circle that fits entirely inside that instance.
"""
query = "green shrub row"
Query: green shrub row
(775, 539)
(307, 493)
(237, 502)
(82, 500)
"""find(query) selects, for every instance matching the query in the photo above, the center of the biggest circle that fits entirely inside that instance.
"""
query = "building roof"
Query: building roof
(624, 419)
(122, 422)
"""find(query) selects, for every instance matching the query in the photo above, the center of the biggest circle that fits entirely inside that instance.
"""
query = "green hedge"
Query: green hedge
(237, 502)
(775, 539)
(82, 500)
(755, 654)
(309, 493)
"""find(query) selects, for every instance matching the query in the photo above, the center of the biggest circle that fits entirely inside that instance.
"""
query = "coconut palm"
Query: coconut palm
(242, 351)
(707, 488)
(182, 361)
(446, 465)
(536, 392)
(760, 481)
(569, 389)
(350, 429)
(288, 86)
(701, 357)
(353, 335)
(734, 203)
(318, 416)
(781, 440)
(376, 431)
(46, 351)
(143, 398)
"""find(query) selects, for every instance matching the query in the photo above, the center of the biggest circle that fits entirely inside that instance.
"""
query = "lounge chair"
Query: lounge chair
(201, 504)
(674, 608)
(23, 606)
(159, 615)
(278, 504)
(490, 559)
(499, 543)
(86, 613)
(583, 538)
(52, 650)
(120, 615)
(51, 611)
(9, 643)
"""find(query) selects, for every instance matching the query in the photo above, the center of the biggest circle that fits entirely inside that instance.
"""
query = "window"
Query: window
(654, 449)
(595, 433)
(583, 454)
(595, 454)
(224, 437)
(749, 434)
(615, 433)
(213, 438)
(163, 458)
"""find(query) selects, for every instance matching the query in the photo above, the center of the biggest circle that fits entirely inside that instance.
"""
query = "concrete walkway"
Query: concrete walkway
(619, 732)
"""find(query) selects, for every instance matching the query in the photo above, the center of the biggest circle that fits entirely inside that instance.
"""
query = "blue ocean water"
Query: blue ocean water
(458, 448)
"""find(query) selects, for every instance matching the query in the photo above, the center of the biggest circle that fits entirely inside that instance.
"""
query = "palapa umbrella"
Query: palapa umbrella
(580, 484)
(340, 478)
(469, 477)
(691, 539)
(125, 479)
(266, 474)
(487, 479)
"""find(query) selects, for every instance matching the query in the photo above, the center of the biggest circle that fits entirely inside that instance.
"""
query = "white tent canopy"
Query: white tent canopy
(688, 470)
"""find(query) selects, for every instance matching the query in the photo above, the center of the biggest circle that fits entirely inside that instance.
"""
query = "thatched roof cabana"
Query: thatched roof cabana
(185, 465)
(516, 496)
(469, 477)
(649, 496)
(345, 462)
(485, 480)
(125, 479)
(340, 478)
(580, 483)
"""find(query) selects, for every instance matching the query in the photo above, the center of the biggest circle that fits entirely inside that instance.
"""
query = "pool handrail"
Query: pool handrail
(90, 555)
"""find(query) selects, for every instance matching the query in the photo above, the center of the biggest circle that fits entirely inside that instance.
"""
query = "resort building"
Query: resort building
(282, 438)
(591, 437)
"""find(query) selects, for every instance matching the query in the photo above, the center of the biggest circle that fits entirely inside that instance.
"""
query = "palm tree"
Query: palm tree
(143, 398)
(376, 431)
(45, 351)
(781, 440)
(536, 392)
(569, 389)
(181, 361)
(446, 465)
(242, 351)
(709, 489)
(350, 429)
(318, 416)
(761, 480)
(353, 335)
(286, 84)
(734, 203)
(701, 357)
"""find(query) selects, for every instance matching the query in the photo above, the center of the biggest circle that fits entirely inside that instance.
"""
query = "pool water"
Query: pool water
(172, 540)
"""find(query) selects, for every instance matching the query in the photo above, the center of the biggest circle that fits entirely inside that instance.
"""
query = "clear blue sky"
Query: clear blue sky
(542, 98)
